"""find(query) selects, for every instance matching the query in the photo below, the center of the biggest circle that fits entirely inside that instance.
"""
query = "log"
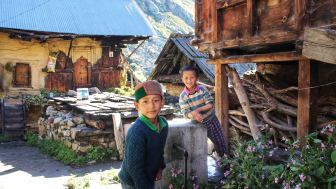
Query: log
(290, 124)
(323, 125)
(244, 101)
(329, 110)
(119, 134)
(276, 125)
(320, 44)
(239, 121)
(88, 132)
(236, 112)
(327, 100)
(98, 124)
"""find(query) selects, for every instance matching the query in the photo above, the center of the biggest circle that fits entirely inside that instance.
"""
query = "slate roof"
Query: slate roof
(182, 42)
(82, 17)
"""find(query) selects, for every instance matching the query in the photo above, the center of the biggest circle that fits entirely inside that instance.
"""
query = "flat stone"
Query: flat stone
(81, 125)
(78, 120)
(60, 114)
(81, 142)
(51, 119)
(50, 109)
(68, 143)
(97, 139)
(71, 124)
(66, 133)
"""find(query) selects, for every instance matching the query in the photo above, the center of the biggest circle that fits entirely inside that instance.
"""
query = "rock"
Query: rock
(84, 148)
(74, 147)
(114, 158)
(59, 130)
(51, 119)
(50, 110)
(81, 142)
(61, 114)
(94, 90)
(112, 144)
(71, 124)
(106, 140)
(91, 162)
(48, 126)
(66, 133)
(68, 115)
(103, 145)
(57, 120)
(97, 139)
(210, 147)
(68, 143)
(81, 125)
(72, 93)
(78, 120)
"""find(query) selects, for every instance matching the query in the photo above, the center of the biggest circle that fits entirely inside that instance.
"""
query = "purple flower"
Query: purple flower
(276, 179)
(171, 186)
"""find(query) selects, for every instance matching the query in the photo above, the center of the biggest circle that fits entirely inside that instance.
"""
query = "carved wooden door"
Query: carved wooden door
(82, 72)
(21, 74)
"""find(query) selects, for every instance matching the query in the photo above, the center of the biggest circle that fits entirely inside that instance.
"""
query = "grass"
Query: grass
(67, 156)
(4, 139)
(78, 182)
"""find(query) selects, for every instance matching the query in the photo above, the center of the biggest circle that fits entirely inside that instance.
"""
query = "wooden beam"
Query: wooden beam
(222, 4)
(250, 17)
(307, 101)
(222, 100)
(320, 44)
(284, 37)
(214, 22)
(271, 57)
(301, 14)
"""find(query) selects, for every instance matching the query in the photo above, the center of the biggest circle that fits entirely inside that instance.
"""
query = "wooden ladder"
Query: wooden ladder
(13, 118)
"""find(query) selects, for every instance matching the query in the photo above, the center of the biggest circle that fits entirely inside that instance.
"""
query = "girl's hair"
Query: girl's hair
(190, 68)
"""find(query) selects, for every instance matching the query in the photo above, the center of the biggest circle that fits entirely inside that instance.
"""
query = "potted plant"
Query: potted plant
(6, 75)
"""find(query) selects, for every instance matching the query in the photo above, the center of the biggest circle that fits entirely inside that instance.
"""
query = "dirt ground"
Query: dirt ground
(22, 166)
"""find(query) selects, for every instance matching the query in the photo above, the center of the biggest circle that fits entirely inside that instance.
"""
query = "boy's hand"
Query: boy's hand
(195, 115)
(199, 117)
(159, 175)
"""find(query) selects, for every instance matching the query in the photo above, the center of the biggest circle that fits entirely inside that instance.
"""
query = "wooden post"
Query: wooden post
(301, 14)
(307, 102)
(214, 22)
(222, 100)
(250, 17)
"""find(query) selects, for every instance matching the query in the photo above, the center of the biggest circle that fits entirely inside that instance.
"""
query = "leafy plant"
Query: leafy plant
(36, 100)
(126, 91)
(4, 139)
(46, 91)
(78, 182)
(9, 67)
(314, 169)
(67, 156)
(176, 177)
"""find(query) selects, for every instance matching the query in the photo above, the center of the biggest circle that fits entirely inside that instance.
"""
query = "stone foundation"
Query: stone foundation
(64, 127)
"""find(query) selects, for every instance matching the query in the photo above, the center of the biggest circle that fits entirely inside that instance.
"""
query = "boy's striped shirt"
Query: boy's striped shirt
(195, 100)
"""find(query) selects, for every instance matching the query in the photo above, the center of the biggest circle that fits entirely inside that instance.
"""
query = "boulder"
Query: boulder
(68, 115)
(94, 90)
(66, 133)
(74, 146)
(61, 114)
(78, 120)
(68, 143)
(70, 124)
(112, 144)
(72, 93)
(57, 120)
(84, 148)
(50, 110)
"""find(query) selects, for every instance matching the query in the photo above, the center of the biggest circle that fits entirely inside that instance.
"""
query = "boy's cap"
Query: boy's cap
(147, 88)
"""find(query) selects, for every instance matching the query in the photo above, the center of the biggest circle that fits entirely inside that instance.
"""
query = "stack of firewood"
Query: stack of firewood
(264, 100)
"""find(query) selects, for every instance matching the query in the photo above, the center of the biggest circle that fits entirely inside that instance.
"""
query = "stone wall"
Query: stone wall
(72, 130)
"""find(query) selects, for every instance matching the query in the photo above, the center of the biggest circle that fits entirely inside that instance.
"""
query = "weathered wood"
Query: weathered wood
(239, 121)
(221, 4)
(119, 134)
(214, 22)
(244, 101)
(222, 100)
(307, 102)
(269, 121)
(278, 38)
(14, 120)
(22, 74)
(236, 112)
(250, 17)
(240, 127)
(320, 44)
(271, 57)
(301, 13)
(14, 126)
(323, 125)
(98, 124)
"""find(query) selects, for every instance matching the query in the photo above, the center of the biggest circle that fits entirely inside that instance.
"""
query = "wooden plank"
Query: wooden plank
(320, 44)
(13, 120)
(301, 13)
(81, 71)
(271, 57)
(307, 100)
(284, 37)
(221, 4)
(214, 23)
(222, 100)
(14, 134)
(250, 17)
(322, 13)
(9, 113)
(13, 101)
(119, 134)
(14, 126)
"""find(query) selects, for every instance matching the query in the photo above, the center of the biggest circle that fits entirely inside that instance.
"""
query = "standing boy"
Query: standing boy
(197, 104)
(143, 162)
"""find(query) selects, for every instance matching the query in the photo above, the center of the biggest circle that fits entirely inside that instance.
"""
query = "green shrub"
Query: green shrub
(4, 139)
(9, 67)
(36, 100)
(314, 169)
(126, 91)
(67, 156)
